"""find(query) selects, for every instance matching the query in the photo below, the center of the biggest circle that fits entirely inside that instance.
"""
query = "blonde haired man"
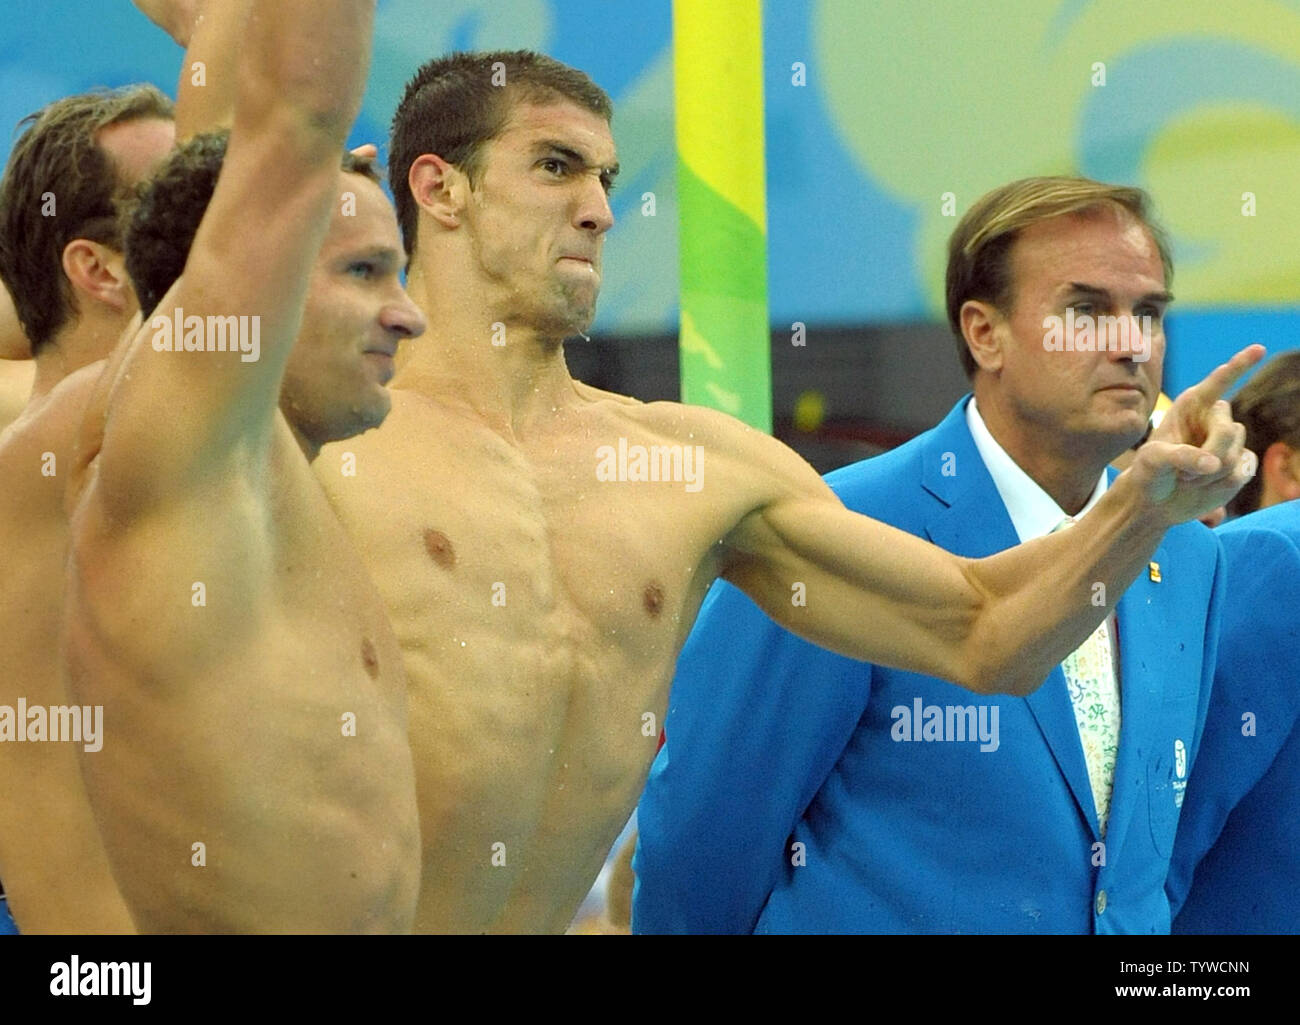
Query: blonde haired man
(800, 791)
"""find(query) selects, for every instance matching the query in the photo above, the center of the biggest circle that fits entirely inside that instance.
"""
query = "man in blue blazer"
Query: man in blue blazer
(1236, 866)
(800, 791)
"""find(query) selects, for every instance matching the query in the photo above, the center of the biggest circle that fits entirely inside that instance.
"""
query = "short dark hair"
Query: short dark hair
(1268, 406)
(979, 251)
(59, 158)
(455, 104)
(169, 207)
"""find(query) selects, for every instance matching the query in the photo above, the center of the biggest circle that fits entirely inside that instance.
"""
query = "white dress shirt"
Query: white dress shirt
(1034, 513)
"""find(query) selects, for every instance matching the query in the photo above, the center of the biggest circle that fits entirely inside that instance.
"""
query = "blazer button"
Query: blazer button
(1101, 901)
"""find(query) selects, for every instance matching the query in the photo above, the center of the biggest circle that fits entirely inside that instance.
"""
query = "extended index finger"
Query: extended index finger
(1224, 376)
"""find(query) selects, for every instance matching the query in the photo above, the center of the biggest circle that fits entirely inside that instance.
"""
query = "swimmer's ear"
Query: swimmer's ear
(981, 327)
(98, 274)
(440, 189)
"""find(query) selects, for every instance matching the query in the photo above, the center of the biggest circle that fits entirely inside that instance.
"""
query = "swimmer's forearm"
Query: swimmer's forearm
(996, 625)
(175, 17)
(307, 59)
(1043, 599)
(205, 95)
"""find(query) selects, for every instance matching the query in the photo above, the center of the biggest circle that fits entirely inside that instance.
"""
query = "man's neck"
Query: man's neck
(509, 375)
(1065, 467)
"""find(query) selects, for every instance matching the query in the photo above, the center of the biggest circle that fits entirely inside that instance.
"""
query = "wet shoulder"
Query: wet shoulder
(43, 443)
(723, 436)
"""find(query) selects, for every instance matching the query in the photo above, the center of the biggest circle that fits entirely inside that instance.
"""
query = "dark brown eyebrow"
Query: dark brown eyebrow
(608, 174)
(1083, 288)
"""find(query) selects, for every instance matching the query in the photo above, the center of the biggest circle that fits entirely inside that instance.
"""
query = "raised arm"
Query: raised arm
(994, 625)
(175, 17)
(206, 94)
(212, 34)
(302, 72)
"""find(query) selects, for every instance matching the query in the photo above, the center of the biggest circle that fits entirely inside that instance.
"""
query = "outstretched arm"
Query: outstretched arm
(994, 625)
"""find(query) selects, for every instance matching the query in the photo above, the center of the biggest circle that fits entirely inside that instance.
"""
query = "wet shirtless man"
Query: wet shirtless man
(541, 583)
(73, 301)
(255, 773)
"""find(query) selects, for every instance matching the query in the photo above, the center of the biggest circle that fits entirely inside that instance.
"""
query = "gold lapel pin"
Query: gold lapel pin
(1153, 570)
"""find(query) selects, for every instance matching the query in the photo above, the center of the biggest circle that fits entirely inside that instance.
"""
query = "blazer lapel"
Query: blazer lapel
(970, 519)
(1051, 707)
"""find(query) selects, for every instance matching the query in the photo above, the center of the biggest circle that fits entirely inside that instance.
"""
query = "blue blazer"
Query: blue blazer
(781, 801)
(1236, 866)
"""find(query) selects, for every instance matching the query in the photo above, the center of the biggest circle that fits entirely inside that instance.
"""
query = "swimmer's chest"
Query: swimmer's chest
(328, 598)
(542, 538)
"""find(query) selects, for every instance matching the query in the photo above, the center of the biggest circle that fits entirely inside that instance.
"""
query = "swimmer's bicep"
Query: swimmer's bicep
(160, 443)
(145, 437)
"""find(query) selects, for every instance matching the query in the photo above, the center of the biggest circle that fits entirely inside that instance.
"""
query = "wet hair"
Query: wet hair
(169, 208)
(61, 185)
(456, 104)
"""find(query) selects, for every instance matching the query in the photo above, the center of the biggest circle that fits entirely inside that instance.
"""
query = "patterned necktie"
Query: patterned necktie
(1094, 693)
